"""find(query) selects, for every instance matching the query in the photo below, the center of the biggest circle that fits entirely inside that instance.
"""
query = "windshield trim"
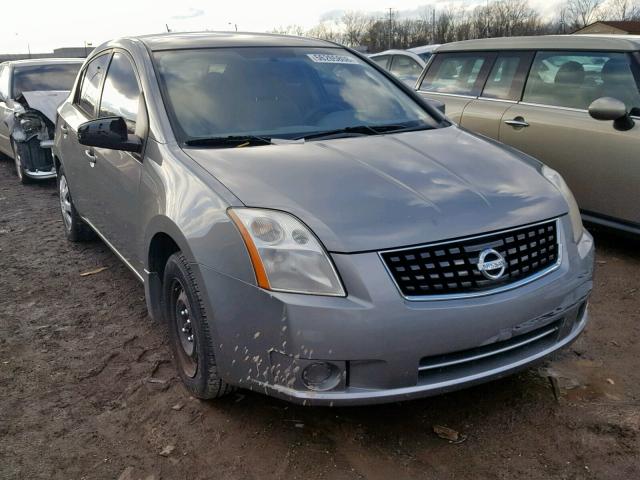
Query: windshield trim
(181, 137)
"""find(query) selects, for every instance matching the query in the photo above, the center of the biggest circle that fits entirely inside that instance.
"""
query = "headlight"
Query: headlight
(574, 212)
(30, 123)
(285, 254)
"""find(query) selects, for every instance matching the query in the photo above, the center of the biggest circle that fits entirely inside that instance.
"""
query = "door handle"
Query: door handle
(517, 122)
(92, 157)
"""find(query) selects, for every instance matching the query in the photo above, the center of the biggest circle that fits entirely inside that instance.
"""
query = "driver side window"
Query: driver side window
(121, 92)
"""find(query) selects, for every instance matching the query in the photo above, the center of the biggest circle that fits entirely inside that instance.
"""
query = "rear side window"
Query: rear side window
(507, 76)
(457, 73)
(382, 60)
(404, 66)
(121, 92)
(575, 79)
(90, 84)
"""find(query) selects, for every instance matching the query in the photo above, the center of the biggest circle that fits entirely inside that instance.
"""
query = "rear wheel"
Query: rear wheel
(74, 228)
(189, 335)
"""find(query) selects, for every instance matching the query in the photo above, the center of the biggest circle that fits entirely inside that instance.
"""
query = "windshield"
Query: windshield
(59, 76)
(283, 92)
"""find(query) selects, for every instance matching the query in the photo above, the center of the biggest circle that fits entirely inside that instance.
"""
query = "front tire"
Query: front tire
(189, 335)
(74, 227)
(18, 153)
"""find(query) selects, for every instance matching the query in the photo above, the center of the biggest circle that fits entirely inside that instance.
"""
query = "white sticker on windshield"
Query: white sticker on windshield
(326, 58)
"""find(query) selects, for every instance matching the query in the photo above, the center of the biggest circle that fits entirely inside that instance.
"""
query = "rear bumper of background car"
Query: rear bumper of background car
(383, 347)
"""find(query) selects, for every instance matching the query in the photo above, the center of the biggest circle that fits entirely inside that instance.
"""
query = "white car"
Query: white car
(407, 65)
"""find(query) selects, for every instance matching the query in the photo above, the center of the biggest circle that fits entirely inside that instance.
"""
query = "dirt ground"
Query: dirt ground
(88, 391)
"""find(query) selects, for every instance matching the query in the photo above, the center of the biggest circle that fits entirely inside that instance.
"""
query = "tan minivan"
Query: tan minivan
(548, 96)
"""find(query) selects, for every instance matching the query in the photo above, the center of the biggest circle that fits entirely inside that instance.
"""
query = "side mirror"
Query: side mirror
(111, 133)
(612, 109)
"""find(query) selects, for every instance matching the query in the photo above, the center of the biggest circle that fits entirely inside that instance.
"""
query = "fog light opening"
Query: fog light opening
(321, 376)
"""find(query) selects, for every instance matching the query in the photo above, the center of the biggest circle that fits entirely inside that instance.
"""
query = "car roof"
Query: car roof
(42, 61)
(624, 43)
(173, 41)
(423, 48)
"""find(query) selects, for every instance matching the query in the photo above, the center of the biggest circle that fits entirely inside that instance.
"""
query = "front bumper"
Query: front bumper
(380, 340)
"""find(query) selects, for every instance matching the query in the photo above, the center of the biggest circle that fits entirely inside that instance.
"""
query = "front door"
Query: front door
(6, 113)
(600, 164)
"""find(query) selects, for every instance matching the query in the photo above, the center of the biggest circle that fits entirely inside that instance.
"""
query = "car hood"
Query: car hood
(46, 101)
(379, 192)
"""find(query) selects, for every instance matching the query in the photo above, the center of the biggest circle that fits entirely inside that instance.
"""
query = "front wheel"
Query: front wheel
(17, 158)
(74, 227)
(189, 335)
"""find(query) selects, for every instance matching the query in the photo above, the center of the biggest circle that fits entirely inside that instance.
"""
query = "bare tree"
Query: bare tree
(622, 9)
(355, 25)
(581, 13)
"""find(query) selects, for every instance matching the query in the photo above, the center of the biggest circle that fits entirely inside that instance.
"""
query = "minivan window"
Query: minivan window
(283, 92)
(30, 78)
(91, 82)
(456, 73)
(576, 79)
(507, 76)
(121, 92)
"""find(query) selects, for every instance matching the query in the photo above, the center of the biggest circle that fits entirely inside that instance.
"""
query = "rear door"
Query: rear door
(456, 79)
(501, 90)
(78, 159)
(116, 175)
(552, 123)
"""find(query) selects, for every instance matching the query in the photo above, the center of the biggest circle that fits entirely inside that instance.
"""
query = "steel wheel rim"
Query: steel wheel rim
(65, 202)
(185, 331)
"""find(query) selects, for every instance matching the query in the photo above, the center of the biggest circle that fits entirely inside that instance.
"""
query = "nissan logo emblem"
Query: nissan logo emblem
(491, 264)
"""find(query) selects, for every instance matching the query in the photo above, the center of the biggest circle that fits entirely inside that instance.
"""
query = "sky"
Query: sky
(42, 25)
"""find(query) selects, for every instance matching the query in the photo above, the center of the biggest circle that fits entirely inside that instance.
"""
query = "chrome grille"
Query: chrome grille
(451, 268)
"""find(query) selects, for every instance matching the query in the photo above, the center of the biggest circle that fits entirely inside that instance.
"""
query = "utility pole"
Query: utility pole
(433, 25)
(390, 25)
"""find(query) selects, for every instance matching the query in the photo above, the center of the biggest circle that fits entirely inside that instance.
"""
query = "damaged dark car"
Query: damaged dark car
(30, 93)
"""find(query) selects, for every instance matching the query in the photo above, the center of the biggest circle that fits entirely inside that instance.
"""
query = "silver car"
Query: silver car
(307, 227)
(30, 93)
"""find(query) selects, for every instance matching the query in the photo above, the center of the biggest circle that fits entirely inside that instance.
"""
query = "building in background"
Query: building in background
(628, 27)
(67, 52)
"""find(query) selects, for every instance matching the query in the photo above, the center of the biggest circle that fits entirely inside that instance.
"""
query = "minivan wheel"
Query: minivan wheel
(74, 228)
(189, 335)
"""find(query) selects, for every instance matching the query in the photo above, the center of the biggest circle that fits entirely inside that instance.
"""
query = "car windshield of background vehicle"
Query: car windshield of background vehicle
(455, 73)
(44, 77)
(576, 79)
(279, 92)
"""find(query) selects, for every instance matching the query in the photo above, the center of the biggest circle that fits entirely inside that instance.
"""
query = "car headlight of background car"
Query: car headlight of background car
(285, 254)
(574, 211)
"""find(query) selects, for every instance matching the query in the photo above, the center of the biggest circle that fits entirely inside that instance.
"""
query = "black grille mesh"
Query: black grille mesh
(451, 268)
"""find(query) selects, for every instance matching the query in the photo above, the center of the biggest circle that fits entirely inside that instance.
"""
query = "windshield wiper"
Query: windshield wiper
(356, 130)
(366, 130)
(228, 141)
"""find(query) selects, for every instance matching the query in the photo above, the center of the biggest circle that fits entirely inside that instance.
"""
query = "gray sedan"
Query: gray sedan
(307, 227)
